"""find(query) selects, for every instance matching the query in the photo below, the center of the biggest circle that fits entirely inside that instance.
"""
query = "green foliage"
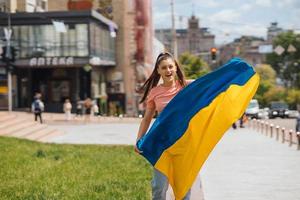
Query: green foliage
(105, 8)
(276, 93)
(266, 73)
(267, 81)
(293, 98)
(287, 64)
(193, 66)
(31, 170)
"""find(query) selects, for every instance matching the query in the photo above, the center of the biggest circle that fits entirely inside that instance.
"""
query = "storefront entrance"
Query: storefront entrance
(55, 85)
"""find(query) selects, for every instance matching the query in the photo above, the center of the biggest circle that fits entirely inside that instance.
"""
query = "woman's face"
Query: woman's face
(167, 69)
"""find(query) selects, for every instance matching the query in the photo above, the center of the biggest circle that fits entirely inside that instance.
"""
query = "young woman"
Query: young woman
(157, 97)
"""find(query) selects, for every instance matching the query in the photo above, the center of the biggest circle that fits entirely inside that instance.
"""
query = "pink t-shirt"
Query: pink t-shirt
(160, 96)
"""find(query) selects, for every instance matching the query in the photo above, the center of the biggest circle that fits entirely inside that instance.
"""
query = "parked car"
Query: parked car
(293, 113)
(263, 113)
(278, 109)
(252, 109)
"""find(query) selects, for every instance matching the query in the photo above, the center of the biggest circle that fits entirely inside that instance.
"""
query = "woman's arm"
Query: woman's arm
(149, 113)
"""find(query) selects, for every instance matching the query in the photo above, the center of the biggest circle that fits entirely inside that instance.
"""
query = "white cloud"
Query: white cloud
(162, 20)
(263, 3)
(288, 3)
(209, 4)
(230, 33)
(226, 15)
(251, 30)
(246, 7)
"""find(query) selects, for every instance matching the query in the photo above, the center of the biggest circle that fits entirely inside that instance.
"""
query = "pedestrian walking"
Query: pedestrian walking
(157, 96)
(243, 119)
(95, 109)
(88, 104)
(37, 107)
(67, 109)
(79, 106)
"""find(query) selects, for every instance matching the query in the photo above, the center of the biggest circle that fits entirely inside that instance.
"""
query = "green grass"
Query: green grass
(31, 170)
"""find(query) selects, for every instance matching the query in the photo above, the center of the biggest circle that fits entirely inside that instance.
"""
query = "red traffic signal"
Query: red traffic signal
(213, 53)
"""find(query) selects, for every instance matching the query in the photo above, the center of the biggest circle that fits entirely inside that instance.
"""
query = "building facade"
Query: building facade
(194, 39)
(273, 31)
(133, 48)
(246, 47)
(60, 64)
(13, 6)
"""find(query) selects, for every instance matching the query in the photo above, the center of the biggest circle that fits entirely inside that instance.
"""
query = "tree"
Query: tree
(267, 81)
(288, 63)
(293, 98)
(105, 8)
(266, 73)
(276, 93)
(193, 66)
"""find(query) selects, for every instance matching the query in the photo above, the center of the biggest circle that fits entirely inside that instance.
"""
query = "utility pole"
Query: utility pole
(174, 31)
(8, 55)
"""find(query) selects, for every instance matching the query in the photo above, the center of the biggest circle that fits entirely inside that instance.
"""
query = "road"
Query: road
(286, 123)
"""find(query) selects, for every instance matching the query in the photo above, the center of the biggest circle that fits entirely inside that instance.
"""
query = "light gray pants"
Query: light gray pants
(160, 186)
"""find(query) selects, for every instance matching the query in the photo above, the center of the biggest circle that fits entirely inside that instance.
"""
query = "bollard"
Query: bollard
(271, 130)
(298, 138)
(291, 137)
(253, 123)
(266, 128)
(277, 132)
(283, 134)
(262, 127)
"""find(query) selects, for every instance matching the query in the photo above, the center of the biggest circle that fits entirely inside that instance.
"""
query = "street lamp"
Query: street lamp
(8, 57)
(174, 31)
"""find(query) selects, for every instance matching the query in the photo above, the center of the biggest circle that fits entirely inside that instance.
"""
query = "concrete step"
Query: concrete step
(39, 134)
(28, 131)
(46, 138)
(17, 127)
(7, 117)
(11, 122)
(22, 125)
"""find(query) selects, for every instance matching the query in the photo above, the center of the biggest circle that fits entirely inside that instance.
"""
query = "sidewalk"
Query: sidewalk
(246, 165)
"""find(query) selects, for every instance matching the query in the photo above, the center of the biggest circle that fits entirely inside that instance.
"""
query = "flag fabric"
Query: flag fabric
(193, 122)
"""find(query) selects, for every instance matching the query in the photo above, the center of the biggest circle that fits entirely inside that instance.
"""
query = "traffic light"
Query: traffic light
(11, 57)
(3, 54)
(13, 54)
(213, 53)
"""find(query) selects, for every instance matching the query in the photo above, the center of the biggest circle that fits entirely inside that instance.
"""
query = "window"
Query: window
(43, 40)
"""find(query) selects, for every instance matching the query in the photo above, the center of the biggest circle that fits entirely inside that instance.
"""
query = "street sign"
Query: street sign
(279, 50)
(291, 49)
(59, 26)
(7, 33)
(265, 48)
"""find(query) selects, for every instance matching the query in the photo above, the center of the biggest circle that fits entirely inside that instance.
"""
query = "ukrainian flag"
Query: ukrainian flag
(186, 131)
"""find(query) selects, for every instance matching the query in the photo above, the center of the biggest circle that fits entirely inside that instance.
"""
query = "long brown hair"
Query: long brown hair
(152, 81)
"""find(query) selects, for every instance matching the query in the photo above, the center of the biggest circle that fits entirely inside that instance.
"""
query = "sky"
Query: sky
(229, 19)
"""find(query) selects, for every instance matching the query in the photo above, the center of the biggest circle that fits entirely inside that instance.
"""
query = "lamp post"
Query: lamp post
(8, 56)
(174, 31)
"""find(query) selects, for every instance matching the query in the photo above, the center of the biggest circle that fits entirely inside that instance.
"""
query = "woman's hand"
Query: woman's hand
(137, 150)
(149, 113)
